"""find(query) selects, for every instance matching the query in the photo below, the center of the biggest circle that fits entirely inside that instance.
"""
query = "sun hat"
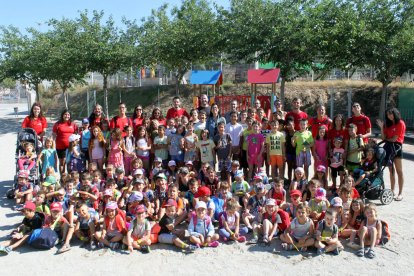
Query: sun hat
(203, 191)
(29, 206)
(171, 202)
(294, 193)
(55, 206)
(74, 137)
(336, 202)
(112, 205)
(201, 204)
(271, 202)
(320, 194)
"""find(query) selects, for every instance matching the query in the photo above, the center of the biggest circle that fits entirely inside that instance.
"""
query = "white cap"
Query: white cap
(201, 204)
(74, 137)
(172, 163)
(137, 171)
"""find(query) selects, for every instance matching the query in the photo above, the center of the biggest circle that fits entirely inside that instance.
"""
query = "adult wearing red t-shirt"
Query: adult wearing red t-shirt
(176, 110)
(296, 113)
(137, 119)
(121, 120)
(62, 129)
(337, 130)
(393, 132)
(157, 115)
(97, 117)
(320, 120)
(36, 120)
(362, 122)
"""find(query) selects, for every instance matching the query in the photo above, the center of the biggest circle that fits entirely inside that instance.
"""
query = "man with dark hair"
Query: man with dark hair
(176, 111)
(296, 113)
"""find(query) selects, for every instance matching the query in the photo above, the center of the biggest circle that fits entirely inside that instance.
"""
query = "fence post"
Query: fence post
(331, 92)
(94, 96)
(349, 102)
(87, 103)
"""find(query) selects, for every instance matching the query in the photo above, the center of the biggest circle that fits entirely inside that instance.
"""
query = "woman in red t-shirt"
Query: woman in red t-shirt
(36, 120)
(62, 129)
(393, 132)
(137, 119)
(157, 115)
(337, 130)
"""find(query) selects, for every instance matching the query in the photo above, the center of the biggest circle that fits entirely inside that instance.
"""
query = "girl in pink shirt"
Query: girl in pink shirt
(255, 147)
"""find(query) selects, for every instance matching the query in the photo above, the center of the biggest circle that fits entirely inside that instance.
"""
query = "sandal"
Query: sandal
(360, 252)
(398, 198)
(370, 254)
(287, 247)
(63, 249)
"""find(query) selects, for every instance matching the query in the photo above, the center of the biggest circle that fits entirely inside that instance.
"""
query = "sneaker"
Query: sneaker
(18, 208)
(336, 252)
(241, 239)
(115, 246)
(145, 249)
(191, 248)
(225, 239)
(353, 245)
(214, 244)
(320, 251)
(254, 240)
(5, 249)
(92, 246)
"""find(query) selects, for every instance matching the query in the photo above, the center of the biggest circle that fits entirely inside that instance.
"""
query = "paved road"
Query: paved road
(235, 259)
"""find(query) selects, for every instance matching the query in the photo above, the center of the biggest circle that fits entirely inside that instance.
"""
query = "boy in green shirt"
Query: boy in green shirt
(303, 141)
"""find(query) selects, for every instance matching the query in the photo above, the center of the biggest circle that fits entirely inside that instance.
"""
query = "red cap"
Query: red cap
(55, 206)
(203, 191)
(295, 193)
(171, 202)
(30, 206)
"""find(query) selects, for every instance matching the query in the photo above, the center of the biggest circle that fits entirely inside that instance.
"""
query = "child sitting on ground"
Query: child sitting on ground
(61, 226)
(229, 223)
(318, 205)
(300, 232)
(31, 221)
(24, 189)
(85, 226)
(169, 234)
(277, 192)
(327, 235)
(201, 228)
(291, 207)
(370, 232)
(139, 232)
(114, 227)
(254, 208)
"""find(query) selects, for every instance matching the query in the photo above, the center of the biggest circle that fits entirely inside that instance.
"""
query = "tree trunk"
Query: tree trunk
(282, 92)
(64, 97)
(381, 114)
(105, 88)
(178, 78)
(36, 87)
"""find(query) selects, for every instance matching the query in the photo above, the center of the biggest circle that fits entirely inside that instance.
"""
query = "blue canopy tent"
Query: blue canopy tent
(200, 78)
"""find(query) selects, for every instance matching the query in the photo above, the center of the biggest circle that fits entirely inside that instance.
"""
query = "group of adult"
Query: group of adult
(392, 129)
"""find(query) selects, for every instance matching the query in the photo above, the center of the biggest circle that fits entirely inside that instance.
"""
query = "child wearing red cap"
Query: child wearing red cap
(60, 225)
(291, 207)
(114, 227)
(24, 189)
(169, 234)
(139, 232)
(21, 234)
(204, 194)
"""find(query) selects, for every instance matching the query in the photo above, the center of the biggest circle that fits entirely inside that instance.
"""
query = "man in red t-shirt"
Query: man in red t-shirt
(176, 111)
(320, 120)
(296, 113)
(362, 122)
(121, 120)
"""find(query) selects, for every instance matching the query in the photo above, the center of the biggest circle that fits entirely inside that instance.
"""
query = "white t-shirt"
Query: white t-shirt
(235, 132)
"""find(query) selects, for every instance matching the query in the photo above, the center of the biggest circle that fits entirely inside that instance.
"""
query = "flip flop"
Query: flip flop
(63, 249)
(398, 198)
(360, 252)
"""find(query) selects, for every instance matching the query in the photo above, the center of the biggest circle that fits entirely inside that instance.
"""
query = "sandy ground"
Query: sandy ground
(229, 259)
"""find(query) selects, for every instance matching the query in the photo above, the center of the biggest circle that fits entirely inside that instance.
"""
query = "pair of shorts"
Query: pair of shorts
(166, 238)
(243, 160)
(303, 159)
(337, 171)
(61, 153)
(276, 160)
(224, 165)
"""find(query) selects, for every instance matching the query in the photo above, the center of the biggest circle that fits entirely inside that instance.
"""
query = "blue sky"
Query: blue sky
(33, 13)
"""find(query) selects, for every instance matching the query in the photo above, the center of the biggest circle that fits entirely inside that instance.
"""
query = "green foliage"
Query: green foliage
(8, 83)
(191, 34)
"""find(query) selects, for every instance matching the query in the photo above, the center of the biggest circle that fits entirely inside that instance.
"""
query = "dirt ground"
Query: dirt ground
(228, 259)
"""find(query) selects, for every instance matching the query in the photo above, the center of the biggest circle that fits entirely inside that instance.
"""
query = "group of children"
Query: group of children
(181, 185)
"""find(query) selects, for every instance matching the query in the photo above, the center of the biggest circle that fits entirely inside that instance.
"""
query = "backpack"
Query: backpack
(43, 238)
(219, 203)
(386, 236)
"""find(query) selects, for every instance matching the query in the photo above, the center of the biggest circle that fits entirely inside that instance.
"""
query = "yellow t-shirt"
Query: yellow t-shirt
(275, 142)
(245, 134)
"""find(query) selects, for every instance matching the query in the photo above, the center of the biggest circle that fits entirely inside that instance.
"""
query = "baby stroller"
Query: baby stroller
(25, 135)
(373, 187)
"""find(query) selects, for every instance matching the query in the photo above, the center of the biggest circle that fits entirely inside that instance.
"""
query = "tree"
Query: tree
(357, 33)
(277, 31)
(23, 57)
(104, 48)
(64, 61)
(190, 35)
